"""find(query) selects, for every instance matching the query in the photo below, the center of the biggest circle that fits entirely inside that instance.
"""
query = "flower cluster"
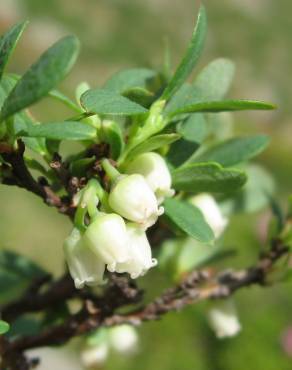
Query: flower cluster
(115, 238)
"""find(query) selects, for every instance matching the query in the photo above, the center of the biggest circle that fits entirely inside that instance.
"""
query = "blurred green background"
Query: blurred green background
(127, 33)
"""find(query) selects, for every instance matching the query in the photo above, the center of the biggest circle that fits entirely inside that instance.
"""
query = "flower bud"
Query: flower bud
(133, 199)
(212, 213)
(223, 319)
(84, 266)
(140, 253)
(107, 237)
(123, 339)
(155, 171)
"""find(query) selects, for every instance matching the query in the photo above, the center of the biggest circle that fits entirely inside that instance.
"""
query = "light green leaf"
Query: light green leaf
(43, 76)
(235, 150)
(207, 177)
(194, 128)
(8, 42)
(191, 57)
(108, 102)
(130, 78)
(153, 143)
(189, 219)
(211, 84)
(215, 79)
(4, 327)
(222, 106)
(67, 130)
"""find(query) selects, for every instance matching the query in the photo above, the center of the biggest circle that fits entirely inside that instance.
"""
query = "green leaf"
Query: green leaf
(191, 57)
(16, 274)
(211, 84)
(43, 76)
(140, 96)
(103, 101)
(207, 177)
(153, 143)
(189, 219)
(235, 150)
(215, 79)
(21, 119)
(222, 106)
(194, 128)
(130, 78)
(67, 130)
(4, 327)
(8, 43)
(180, 151)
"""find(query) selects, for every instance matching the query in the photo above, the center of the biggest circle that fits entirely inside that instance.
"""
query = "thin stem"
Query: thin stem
(110, 170)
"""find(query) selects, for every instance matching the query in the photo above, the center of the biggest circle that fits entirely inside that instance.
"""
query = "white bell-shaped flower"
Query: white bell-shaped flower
(155, 171)
(123, 339)
(84, 266)
(95, 356)
(140, 253)
(107, 237)
(223, 319)
(212, 213)
(132, 198)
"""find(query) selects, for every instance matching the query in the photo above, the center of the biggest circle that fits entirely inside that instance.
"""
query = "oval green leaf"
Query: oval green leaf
(207, 177)
(189, 219)
(108, 102)
(43, 76)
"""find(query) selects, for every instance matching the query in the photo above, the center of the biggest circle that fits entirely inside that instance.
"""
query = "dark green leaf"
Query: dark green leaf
(191, 57)
(67, 130)
(8, 43)
(235, 150)
(189, 219)
(130, 78)
(207, 177)
(104, 101)
(140, 96)
(153, 143)
(20, 120)
(4, 327)
(16, 274)
(223, 106)
(180, 151)
(42, 76)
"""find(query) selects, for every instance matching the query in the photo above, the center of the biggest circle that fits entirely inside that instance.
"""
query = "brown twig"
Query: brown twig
(102, 311)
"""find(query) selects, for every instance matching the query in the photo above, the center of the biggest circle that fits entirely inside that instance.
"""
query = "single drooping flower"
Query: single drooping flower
(155, 171)
(140, 260)
(132, 198)
(223, 319)
(84, 266)
(107, 237)
(212, 213)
